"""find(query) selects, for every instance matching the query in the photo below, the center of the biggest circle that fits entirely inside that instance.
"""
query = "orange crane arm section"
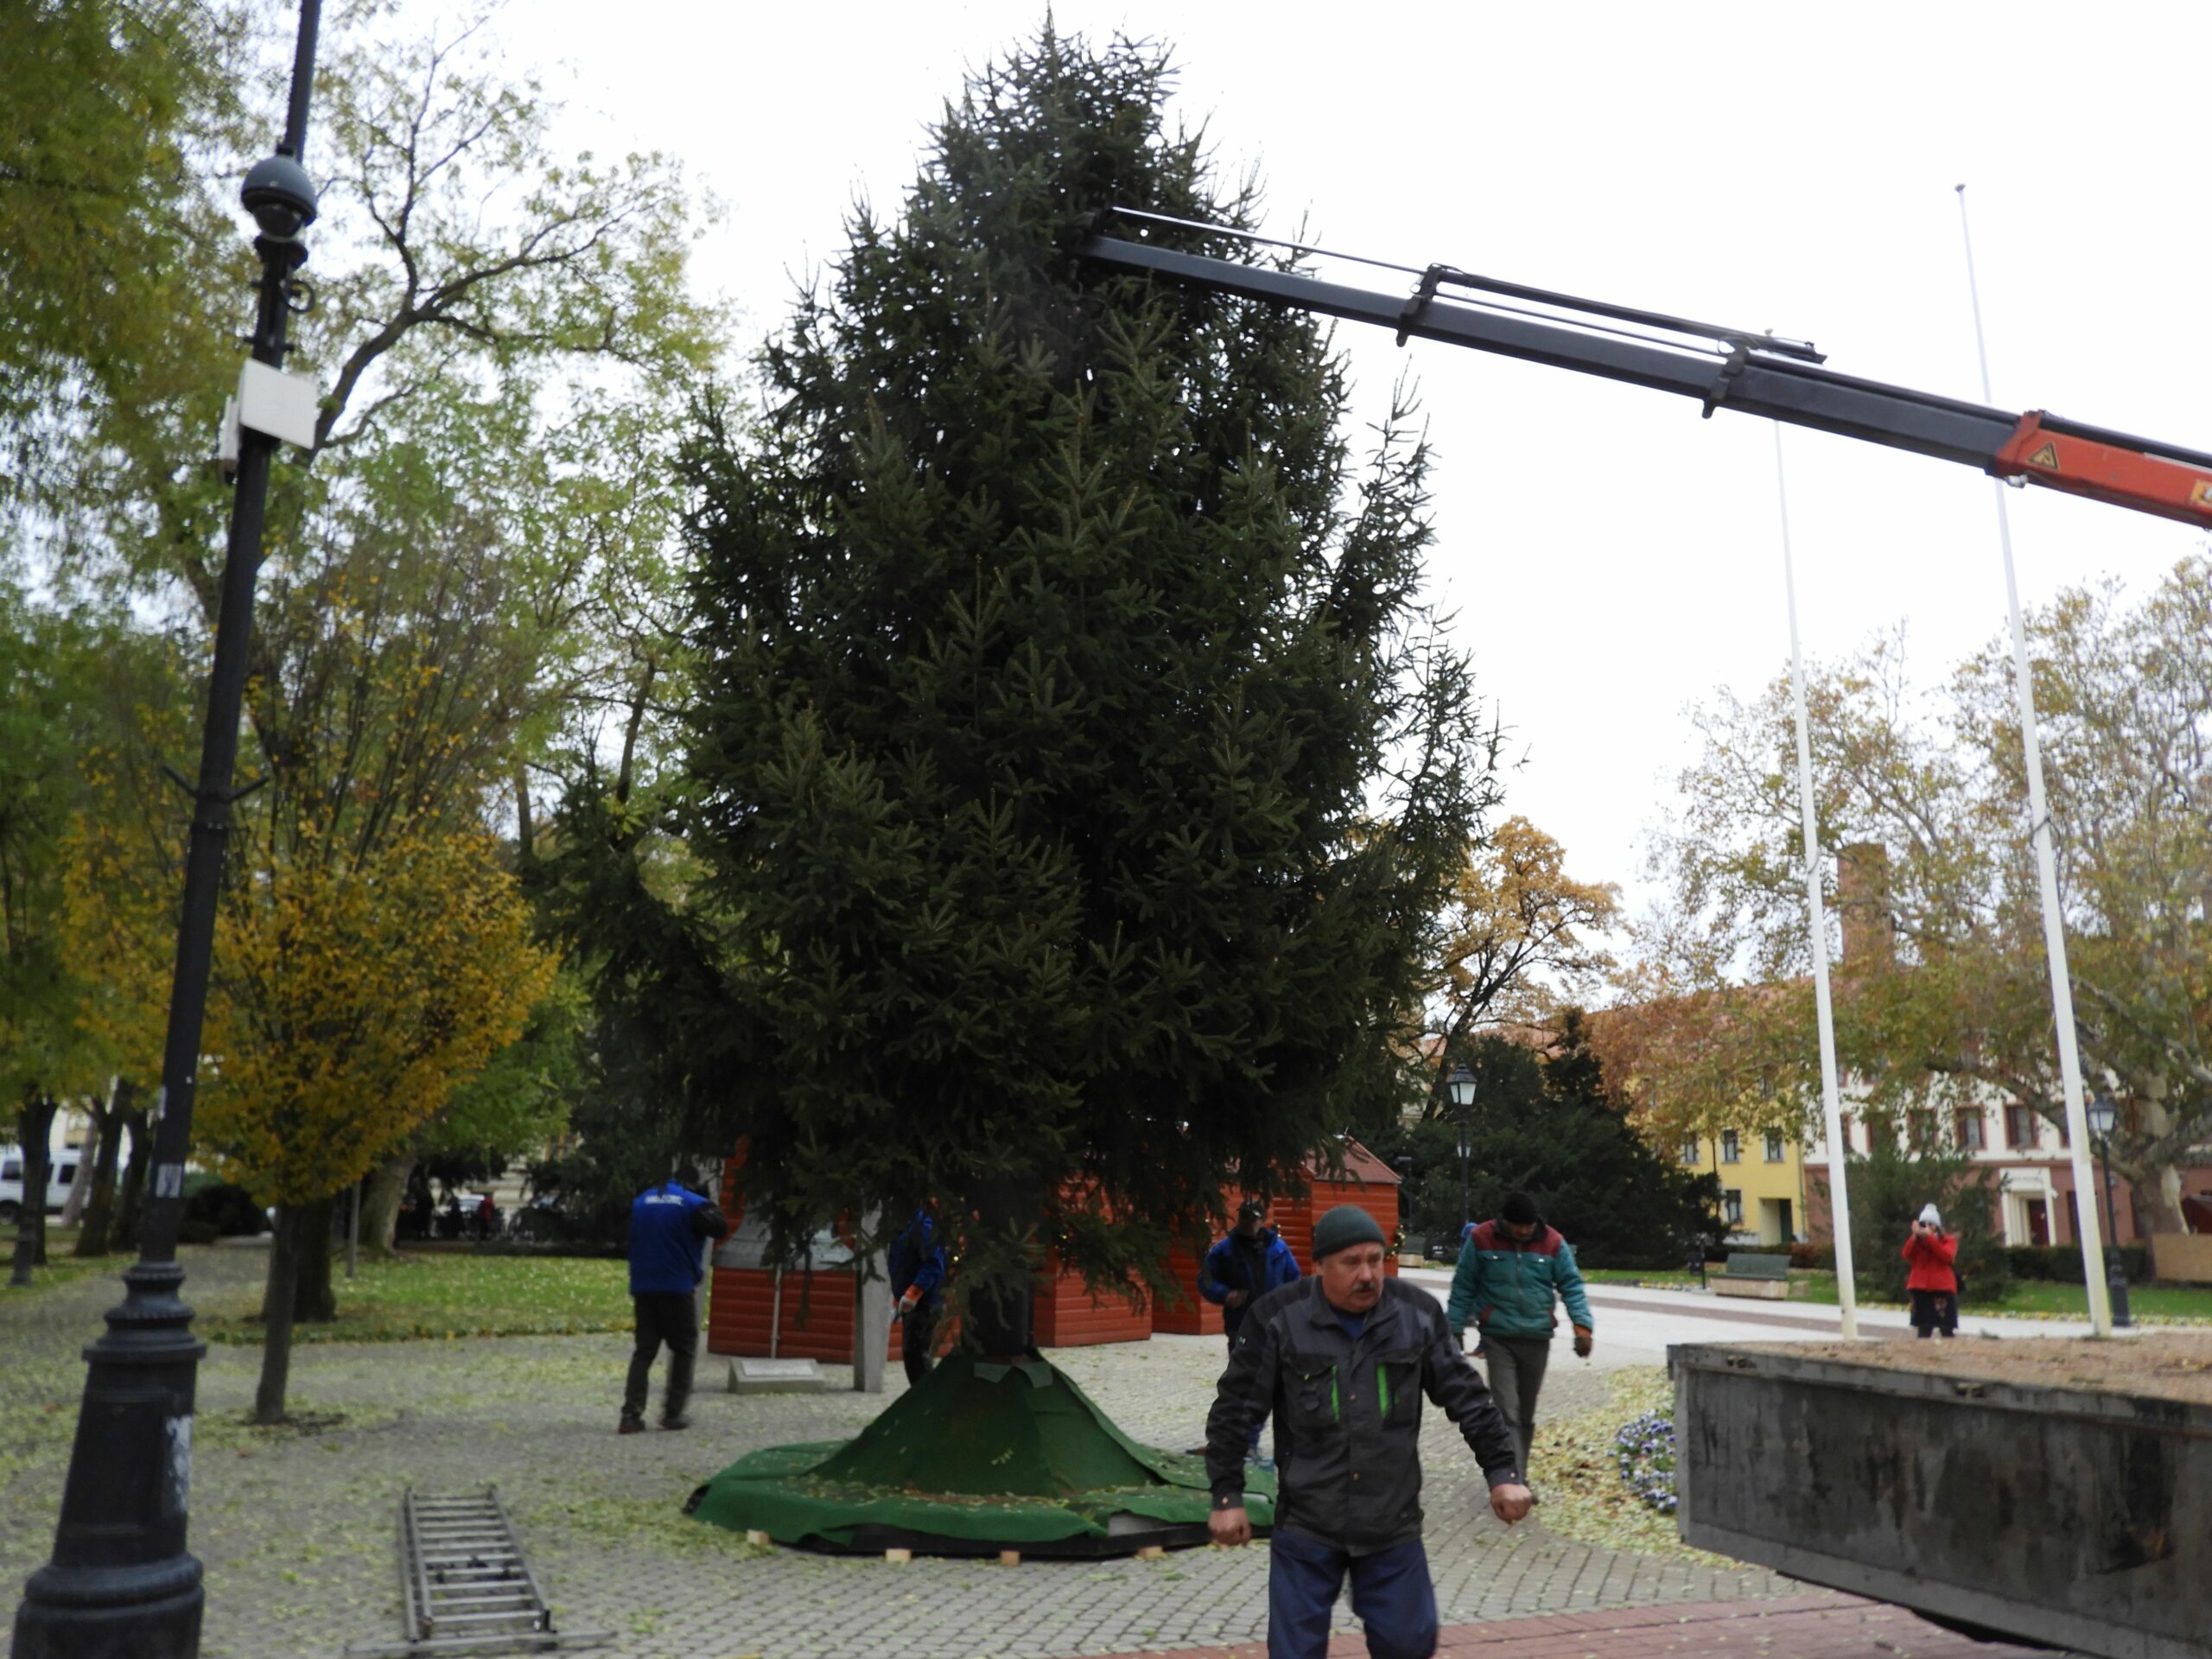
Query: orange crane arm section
(2047, 452)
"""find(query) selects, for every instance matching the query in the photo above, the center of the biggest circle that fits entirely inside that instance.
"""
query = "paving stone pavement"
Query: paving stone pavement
(1822, 1625)
(296, 1530)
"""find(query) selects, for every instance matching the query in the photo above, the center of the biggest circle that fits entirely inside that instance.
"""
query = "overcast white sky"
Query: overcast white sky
(1611, 556)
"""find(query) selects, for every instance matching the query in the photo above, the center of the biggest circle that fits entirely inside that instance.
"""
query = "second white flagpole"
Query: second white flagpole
(1846, 1286)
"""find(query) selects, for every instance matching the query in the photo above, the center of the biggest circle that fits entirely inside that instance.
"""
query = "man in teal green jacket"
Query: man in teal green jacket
(1512, 1274)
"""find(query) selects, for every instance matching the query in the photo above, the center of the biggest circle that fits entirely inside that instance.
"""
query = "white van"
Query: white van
(61, 1169)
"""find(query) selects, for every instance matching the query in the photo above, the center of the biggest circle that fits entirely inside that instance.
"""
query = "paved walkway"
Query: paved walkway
(1635, 1326)
(1818, 1626)
(297, 1529)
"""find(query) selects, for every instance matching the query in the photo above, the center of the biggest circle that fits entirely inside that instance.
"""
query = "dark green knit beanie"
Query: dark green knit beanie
(1345, 1225)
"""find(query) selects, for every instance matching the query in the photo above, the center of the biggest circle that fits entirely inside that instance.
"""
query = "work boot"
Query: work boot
(629, 1426)
(681, 1419)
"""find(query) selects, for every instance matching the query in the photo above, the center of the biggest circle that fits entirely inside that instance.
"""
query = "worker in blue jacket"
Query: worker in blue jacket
(917, 1271)
(670, 1223)
(1244, 1265)
(1513, 1273)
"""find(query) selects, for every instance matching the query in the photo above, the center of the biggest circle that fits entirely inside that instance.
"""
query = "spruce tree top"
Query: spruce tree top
(1071, 754)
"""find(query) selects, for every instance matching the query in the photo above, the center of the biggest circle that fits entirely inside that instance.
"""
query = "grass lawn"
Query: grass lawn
(61, 1267)
(2027, 1298)
(435, 1296)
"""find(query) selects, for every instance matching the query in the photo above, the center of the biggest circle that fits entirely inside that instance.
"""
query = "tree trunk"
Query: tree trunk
(129, 1203)
(380, 1201)
(80, 1180)
(630, 737)
(277, 1305)
(998, 1314)
(34, 1128)
(313, 1300)
(525, 841)
(2156, 1199)
(100, 1209)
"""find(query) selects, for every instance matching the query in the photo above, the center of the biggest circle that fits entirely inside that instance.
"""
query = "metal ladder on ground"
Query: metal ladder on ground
(466, 1586)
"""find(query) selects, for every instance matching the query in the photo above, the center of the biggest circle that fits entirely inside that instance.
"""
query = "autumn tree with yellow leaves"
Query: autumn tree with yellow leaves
(352, 997)
(1520, 935)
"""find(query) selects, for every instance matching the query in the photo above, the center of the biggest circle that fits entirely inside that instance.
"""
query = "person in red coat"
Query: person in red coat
(1933, 1285)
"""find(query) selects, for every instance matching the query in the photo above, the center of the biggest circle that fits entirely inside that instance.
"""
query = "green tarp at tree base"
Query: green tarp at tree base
(977, 1453)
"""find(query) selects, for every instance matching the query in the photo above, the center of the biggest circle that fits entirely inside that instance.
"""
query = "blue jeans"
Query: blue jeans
(1390, 1593)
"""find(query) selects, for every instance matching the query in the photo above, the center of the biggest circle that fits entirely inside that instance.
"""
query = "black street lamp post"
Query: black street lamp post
(121, 1584)
(1461, 1083)
(2104, 1117)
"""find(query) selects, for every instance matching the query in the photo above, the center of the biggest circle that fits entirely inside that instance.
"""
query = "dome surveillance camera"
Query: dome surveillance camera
(280, 196)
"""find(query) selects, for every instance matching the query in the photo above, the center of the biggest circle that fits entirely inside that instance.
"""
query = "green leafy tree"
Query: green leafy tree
(1904, 1170)
(1942, 1000)
(107, 109)
(42, 662)
(54, 663)
(1075, 777)
(515, 1108)
(454, 566)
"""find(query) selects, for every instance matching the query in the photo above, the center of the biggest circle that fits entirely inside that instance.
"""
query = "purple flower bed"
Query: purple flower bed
(1646, 1460)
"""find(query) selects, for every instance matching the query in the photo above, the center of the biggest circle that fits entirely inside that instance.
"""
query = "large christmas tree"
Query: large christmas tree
(1073, 767)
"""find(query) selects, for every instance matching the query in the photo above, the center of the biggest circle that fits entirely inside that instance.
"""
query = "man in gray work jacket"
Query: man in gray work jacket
(1343, 1359)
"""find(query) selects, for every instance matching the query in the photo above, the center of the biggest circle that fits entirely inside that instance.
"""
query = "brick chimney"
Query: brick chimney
(1862, 891)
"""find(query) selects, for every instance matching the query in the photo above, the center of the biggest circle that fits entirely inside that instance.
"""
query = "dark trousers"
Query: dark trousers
(1516, 1375)
(1935, 1310)
(1390, 1594)
(670, 1317)
(916, 1341)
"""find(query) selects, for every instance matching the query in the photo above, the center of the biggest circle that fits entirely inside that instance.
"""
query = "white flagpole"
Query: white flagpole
(1846, 1286)
(2087, 1225)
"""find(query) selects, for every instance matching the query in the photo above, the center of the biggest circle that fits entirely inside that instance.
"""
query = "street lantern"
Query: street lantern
(121, 1581)
(1461, 1086)
(2104, 1118)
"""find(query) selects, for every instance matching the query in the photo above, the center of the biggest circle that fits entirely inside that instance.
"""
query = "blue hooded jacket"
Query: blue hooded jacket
(918, 1260)
(666, 1226)
(1228, 1267)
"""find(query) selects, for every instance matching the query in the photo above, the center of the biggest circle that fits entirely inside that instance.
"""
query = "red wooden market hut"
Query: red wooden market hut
(807, 1312)
(1363, 1180)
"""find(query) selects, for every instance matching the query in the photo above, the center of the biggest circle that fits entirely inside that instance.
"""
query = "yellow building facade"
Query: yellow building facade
(1762, 1182)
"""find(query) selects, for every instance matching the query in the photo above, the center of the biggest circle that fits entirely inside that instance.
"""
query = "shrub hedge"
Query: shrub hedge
(2060, 1264)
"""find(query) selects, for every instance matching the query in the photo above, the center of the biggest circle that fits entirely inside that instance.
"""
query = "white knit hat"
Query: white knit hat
(1929, 1214)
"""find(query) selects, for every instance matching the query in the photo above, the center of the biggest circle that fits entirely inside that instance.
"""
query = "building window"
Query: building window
(1920, 1124)
(1689, 1149)
(1732, 1148)
(1774, 1152)
(1731, 1207)
(1845, 1119)
(2020, 1129)
(1970, 1131)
